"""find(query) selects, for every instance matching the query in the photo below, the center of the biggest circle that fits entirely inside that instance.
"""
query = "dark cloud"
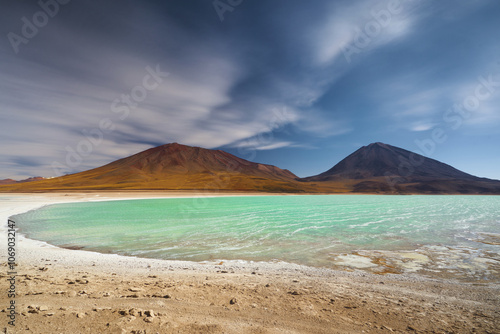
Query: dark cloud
(267, 66)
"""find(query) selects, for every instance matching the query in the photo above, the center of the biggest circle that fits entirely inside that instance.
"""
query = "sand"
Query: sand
(73, 291)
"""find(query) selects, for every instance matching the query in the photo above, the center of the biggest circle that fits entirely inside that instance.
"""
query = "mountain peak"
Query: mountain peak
(176, 159)
(381, 160)
(379, 144)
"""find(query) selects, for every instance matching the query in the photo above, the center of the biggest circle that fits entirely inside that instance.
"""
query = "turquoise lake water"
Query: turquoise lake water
(458, 235)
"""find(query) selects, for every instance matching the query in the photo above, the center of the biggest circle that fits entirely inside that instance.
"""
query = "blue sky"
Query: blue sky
(291, 83)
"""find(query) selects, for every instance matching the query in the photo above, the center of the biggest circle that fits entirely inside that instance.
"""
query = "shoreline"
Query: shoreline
(411, 262)
(313, 287)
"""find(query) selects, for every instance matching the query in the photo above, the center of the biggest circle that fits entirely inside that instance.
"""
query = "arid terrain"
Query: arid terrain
(73, 291)
(155, 297)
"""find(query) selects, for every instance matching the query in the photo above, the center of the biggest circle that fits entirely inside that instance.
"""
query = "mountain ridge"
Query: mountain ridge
(376, 168)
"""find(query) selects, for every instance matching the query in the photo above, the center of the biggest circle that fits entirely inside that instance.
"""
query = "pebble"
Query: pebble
(135, 312)
(232, 301)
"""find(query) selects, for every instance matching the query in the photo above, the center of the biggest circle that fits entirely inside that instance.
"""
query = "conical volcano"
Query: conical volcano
(382, 168)
(379, 159)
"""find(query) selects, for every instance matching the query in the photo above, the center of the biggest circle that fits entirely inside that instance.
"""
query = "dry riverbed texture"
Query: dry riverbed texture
(73, 291)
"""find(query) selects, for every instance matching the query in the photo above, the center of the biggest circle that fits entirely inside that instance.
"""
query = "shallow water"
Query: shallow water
(431, 235)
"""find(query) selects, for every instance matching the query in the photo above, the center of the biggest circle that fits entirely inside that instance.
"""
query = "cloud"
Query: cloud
(261, 144)
(421, 126)
(363, 25)
(278, 69)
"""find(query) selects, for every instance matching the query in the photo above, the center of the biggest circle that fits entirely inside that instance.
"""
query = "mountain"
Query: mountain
(178, 167)
(7, 181)
(383, 168)
(376, 168)
(31, 179)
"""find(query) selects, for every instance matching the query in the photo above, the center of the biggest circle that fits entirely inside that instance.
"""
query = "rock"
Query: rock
(80, 315)
(123, 312)
(43, 308)
(149, 313)
(148, 319)
(295, 293)
(232, 301)
(133, 311)
(72, 294)
(135, 289)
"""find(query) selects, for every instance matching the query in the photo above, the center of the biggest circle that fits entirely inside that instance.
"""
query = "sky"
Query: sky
(296, 84)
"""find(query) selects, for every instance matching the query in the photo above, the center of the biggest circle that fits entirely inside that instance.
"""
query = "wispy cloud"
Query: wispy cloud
(362, 25)
(276, 69)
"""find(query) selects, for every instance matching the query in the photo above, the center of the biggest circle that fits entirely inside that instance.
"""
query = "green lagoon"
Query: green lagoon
(432, 235)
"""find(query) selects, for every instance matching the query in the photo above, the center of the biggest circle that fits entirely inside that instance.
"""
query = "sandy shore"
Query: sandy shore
(71, 291)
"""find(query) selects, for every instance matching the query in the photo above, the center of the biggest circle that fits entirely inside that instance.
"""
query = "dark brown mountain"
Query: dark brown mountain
(31, 179)
(175, 166)
(384, 168)
(376, 168)
(7, 181)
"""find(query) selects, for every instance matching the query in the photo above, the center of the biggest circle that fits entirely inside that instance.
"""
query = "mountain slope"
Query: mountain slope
(380, 159)
(31, 179)
(175, 166)
(384, 168)
(376, 168)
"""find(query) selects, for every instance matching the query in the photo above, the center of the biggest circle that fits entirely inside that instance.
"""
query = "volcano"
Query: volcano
(377, 168)
(382, 168)
(175, 167)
